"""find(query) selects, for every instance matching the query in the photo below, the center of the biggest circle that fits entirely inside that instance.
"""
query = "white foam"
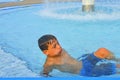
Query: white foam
(11, 66)
(104, 12)
(96, 16)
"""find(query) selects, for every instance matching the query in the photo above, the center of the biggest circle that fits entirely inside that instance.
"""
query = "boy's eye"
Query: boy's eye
(54, 46)
(48, 43)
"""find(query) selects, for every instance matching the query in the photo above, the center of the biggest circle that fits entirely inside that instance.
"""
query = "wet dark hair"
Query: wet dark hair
(43, 40)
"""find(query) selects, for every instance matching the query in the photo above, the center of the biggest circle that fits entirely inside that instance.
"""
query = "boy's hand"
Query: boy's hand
(45, 75)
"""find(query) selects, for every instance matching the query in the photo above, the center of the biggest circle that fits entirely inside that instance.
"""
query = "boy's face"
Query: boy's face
(54, 48)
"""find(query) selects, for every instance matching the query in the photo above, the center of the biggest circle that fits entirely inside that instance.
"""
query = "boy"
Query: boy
(58, 58)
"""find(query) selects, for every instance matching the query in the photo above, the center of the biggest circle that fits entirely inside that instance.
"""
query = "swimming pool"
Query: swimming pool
(77, 32)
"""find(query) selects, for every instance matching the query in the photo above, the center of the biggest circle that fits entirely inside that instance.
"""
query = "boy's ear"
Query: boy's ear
(45, 52)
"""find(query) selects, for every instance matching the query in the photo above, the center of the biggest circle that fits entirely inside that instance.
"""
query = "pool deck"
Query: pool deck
(29, 2)
(19, 3)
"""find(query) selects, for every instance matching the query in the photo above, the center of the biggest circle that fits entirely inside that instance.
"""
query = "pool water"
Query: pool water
(77, 32)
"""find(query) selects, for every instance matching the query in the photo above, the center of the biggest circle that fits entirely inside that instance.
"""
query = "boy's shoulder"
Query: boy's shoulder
(48, 61)
(65, 53)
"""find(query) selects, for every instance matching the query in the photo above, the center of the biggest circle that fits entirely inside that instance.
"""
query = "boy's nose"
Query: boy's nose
(58, 46)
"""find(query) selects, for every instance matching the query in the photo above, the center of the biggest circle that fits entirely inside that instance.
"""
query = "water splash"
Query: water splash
(11, 66)
(72, 11)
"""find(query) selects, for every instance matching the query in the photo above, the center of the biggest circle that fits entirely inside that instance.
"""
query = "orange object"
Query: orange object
(102, 53)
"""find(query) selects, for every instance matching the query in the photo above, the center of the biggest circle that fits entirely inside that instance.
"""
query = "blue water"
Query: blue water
(77, 32)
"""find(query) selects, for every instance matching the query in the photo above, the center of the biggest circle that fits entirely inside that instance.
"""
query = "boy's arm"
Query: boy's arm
(47, 69)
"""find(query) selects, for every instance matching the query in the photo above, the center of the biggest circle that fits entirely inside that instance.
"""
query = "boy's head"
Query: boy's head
(49, 45)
